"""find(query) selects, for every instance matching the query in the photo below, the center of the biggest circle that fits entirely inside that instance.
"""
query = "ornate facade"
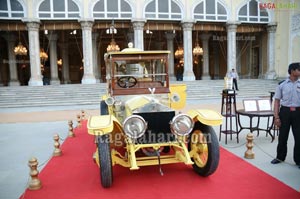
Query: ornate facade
(258, 38)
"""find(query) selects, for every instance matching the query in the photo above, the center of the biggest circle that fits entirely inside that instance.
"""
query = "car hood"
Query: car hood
(152, 107)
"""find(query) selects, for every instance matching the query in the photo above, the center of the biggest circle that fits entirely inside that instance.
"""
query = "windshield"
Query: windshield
(138, 73)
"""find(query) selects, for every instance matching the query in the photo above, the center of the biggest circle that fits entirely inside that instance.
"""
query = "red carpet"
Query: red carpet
(74, 176)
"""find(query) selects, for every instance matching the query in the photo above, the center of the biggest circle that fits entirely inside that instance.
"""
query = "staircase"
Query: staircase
(212, 89)
(79, 94)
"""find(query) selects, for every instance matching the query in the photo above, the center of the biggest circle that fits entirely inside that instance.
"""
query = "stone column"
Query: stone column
(13, 68)
(216, 60)
(95, 56)
(205, 68)
(64, 46)
(271, 74)
(170, 43)
(188, 74)
(52, 37)
(33, 26)
(238, 57)
(65, 62)
(88, 75)
(138, 27)
(231, 45)
(249, 61)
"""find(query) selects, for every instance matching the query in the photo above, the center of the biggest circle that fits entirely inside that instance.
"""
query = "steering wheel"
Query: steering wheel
(127, 82)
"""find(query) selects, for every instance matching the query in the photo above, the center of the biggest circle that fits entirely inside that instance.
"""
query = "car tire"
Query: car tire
(206, 160)
(104, 153)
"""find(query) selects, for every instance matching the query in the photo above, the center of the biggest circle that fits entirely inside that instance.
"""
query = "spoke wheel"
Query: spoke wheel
(104, 153)
(205, 146)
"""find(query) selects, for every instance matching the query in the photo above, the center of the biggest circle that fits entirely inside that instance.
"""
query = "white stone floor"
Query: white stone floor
(19, 141)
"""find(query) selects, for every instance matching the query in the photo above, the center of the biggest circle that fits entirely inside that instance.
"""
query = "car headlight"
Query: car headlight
(182, 124)
(134, 126)
(110, 101)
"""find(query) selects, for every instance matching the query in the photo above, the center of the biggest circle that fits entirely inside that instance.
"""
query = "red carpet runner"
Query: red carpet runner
(75, 176)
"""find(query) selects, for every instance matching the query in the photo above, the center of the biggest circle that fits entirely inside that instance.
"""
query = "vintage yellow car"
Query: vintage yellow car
(140, 123)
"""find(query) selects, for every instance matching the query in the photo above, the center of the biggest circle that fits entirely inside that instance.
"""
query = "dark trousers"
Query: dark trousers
(234, 85)
(289, 119)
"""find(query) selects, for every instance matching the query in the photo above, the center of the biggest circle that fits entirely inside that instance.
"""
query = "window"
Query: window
(112, 9)
(11, 9)
(210, 10)
(251, 12)
(163, 9)
(58, 9)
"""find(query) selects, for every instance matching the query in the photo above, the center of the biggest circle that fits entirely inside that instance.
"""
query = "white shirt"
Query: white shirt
(288, 93)
(233, 74)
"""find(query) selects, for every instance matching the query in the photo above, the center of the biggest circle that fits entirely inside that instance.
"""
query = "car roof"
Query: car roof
(137, 51)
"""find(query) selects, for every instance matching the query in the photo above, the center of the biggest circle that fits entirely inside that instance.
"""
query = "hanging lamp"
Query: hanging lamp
(20, 49)
(197, 50)
(113, 46)
(179, 52)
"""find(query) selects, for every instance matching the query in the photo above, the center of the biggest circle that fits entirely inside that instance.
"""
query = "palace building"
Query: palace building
(64, 41)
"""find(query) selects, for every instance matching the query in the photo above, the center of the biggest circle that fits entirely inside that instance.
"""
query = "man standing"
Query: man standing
(287, 113)
(232, 74)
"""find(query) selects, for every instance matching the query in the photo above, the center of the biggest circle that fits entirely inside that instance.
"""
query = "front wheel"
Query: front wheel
(105, 160)
(205, 149)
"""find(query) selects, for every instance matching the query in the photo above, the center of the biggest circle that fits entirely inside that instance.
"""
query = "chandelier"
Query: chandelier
(113, 46)
(179, 52)
(43, 55)
(59, 62)
(197, 50)
(20, 49)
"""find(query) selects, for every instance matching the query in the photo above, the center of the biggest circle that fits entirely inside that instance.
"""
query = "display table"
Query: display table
(257, 114)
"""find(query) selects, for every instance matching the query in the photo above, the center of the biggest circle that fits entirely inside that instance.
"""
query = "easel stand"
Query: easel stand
(228, 110)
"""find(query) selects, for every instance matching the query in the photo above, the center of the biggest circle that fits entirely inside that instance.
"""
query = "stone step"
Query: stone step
(78, 94)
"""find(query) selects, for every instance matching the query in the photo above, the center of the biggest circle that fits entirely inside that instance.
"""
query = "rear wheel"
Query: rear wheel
(204, 143)
(105, 161)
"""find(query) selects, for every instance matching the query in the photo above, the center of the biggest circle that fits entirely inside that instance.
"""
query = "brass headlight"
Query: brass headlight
(182, 124)
(134, 126)
(110, 101)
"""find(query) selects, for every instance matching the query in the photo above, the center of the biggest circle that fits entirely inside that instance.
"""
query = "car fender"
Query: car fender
(177, 96)
(102, 124)
(206, 116)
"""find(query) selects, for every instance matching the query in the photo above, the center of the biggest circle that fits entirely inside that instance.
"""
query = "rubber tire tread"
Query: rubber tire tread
(104, 153)
(213, 151)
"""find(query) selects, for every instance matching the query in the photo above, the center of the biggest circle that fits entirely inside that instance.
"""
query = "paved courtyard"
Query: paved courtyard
(28, 132)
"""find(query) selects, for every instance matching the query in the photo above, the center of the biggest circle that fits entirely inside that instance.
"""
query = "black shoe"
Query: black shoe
(275, 161)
